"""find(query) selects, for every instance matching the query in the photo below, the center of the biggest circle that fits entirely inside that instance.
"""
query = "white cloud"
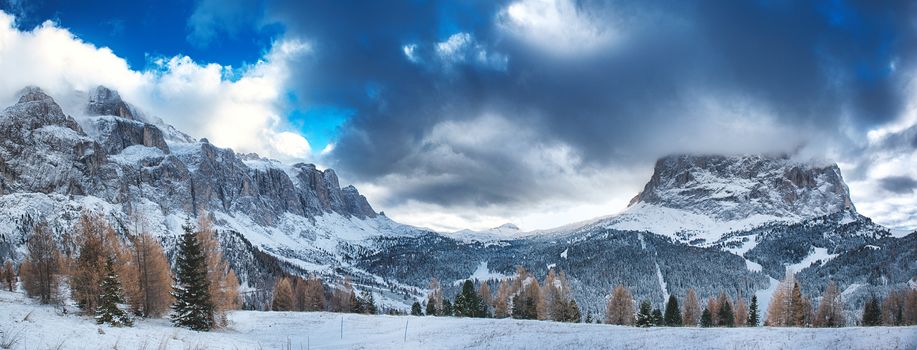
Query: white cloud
(410, 52)
(292, 145)
(241, 108)
(463, 48)
(458, 49)
(556, 26)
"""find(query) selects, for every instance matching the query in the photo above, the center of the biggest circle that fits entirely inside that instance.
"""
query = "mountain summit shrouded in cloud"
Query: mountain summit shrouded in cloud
(472, 114)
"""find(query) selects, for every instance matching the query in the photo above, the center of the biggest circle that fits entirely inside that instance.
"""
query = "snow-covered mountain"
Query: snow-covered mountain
(714, 223)
(698, 198)
(112, 160)
(506, 231)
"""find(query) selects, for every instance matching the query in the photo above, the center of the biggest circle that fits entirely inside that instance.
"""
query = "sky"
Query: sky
(471, 114)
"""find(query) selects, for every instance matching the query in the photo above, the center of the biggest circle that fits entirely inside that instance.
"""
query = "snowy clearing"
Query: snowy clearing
(43, 327)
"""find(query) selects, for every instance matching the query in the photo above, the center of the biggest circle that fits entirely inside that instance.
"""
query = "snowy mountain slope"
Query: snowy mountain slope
(43, 327)
(53, 166)
(698, 198)
(506, 231)
(714, 223)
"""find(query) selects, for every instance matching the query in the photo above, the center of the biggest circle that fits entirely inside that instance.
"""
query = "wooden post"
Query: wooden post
(406, 330)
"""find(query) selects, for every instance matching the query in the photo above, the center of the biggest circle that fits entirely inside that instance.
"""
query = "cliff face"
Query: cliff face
(123, 161)
(738, 187)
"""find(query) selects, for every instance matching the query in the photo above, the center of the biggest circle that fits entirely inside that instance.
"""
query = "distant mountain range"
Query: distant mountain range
(711, 222)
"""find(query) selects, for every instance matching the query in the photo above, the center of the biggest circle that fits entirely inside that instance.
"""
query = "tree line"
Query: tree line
(115, 279)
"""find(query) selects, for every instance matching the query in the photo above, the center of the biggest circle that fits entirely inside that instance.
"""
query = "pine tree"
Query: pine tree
(415, 309)
(223, 283)
(431, 308)
(467, 303)
(872, 315)
(672, 312)
(193, 306)
(283, 295)
(753, 312)
(9, 276)
(645, 315)
(369, 303)
(359, 304)
(714, 306)
(726, 316)
(691, 315)
(705, 319)
(657, 318)
(588, 316)
(447, 307)
(107, 310)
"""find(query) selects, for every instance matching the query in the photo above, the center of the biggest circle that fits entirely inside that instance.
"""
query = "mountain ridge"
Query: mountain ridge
(274, 218)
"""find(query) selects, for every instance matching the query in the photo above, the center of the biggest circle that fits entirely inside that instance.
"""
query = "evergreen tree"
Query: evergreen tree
(359, 303)
(753, 312)
(447, 307)
(112, 295)
(369, 303)
(672, 312)
(431, 307)
(705, 319)
(467, 303)
(588, 316)
(193, 307)
(727, 318)
(415, 309)
(657, 318)
(645, 315)
(872, 314)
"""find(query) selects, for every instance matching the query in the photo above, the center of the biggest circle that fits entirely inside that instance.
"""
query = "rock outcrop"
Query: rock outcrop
(737, 187)
(123, 161)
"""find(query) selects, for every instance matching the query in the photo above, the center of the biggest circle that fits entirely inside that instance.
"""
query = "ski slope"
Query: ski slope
(44, 327)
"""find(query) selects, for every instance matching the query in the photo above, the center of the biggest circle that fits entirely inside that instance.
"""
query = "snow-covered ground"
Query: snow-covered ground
(44, 327)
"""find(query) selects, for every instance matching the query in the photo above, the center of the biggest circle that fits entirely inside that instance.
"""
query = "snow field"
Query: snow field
(43, 327)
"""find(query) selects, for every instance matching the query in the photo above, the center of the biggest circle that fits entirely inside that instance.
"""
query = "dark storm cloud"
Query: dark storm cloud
(807, 64)
(899, 184)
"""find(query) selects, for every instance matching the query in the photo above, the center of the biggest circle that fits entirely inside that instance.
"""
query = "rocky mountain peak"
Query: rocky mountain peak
(36, 109)
(104, 101)
(738, 187)
(33, 93)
